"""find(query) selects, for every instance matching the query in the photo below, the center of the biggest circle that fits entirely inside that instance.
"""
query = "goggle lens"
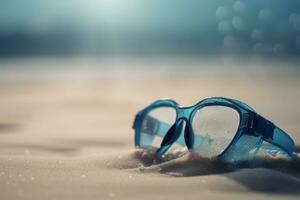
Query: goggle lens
(214, 128)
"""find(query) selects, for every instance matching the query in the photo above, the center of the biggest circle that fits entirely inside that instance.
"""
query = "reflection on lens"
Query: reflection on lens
(155, 126)
(214, 128)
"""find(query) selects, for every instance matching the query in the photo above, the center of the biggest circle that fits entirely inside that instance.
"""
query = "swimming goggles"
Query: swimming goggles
(214, 127)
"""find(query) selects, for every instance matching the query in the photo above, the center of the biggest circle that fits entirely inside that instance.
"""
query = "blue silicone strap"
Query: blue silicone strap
(272, 134)
(282, 140)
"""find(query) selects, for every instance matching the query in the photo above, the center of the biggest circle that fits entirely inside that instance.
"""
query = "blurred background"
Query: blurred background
(150, 28)
(68, 67)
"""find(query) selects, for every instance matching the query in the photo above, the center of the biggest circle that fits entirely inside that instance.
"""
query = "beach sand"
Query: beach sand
(65, 128)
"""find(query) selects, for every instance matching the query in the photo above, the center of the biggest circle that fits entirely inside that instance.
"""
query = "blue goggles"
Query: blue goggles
(214, 127)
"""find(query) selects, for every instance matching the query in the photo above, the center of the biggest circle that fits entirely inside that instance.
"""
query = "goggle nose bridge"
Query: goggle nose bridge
(184, 114)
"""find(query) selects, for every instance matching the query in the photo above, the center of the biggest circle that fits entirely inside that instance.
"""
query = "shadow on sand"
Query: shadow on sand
(268, 175)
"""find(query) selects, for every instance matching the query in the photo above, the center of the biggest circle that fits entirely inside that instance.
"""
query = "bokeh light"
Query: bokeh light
(239, 7)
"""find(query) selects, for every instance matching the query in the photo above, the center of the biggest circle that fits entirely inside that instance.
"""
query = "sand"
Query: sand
(65, 128)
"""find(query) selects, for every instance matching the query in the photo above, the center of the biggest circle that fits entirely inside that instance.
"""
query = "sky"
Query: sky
(44, 15)
(211, 25)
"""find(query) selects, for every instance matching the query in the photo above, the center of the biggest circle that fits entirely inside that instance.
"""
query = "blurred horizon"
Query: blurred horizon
(269, 28)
